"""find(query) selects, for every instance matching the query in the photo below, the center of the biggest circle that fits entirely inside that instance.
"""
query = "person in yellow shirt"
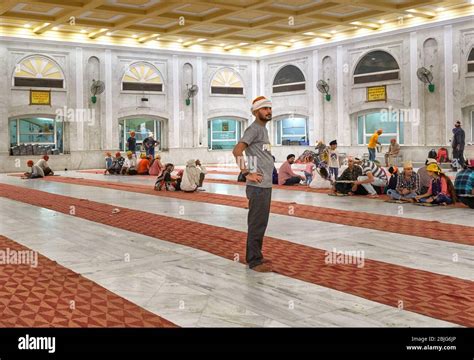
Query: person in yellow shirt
(374, 140)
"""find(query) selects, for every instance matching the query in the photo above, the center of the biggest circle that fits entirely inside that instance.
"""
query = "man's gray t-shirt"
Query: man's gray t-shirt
(258, 152)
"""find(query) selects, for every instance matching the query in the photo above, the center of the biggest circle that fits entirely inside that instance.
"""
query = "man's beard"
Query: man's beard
(265, 118)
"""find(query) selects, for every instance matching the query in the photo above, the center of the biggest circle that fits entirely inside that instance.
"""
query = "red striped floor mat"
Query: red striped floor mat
(438, 296)
(50, 295)
(429, 229)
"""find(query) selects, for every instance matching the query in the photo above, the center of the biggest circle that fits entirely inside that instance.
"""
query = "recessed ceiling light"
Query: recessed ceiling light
(381, 21)
(243, 44)
(440, 9)
(180, 40)
(83, 31)
(309, 33)
(409, 16)
(201, 40)
(55, 28)
(108, 34)
(293, 40)
(221, 44)
(134, 36)
(333, 31)
(27, 25)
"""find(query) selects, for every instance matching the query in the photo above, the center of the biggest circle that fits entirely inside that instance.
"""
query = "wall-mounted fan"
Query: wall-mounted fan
(323, 88)
(97, 88)
(426, 76)
(191, 92)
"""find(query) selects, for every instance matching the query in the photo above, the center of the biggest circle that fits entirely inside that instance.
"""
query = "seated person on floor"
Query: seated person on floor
(156, 167)
(192, 177)
(117, 164)
(441, 190)
(108, 162)
(408, 184)
(144, 165)
(393, 181)
(165, 180)
(203, 170)
(321, 179)
(350, 174)
(286, 176)
(35, 173)
(129, 165)
(464, 185)
(43, 164)
(275, 173)
(425, 178)
(372, 175)
(392, 153)
(309, 169)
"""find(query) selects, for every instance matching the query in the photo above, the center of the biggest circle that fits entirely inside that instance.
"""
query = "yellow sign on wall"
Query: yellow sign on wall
(377, 93)
(40, 97)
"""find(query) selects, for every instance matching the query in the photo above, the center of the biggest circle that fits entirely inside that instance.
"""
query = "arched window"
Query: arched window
(292, 130)
(391, 122)
(227, 82)
(36, 135)
(470, 61)
(38, 71)
(142, 76)
(223, 133)
(376, 66)
(143, 126)
(289, 78)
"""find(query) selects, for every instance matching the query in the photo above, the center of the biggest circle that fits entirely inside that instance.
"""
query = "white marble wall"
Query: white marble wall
(445, 46)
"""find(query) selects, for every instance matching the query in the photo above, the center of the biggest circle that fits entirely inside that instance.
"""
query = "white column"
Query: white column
(316, 113)
(340, 98)
(414, 102)
(109, 144)
(79, 98)
(448, 80)
(199, 102)
(254, 83)
(174, 126)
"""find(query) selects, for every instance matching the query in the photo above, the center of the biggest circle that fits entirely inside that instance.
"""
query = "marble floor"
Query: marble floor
(194, 288)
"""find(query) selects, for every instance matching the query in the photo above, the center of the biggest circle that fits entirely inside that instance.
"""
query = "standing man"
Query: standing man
(132, 142)
(258, 173)
(150, 143)
(459, 140)
(373, 142)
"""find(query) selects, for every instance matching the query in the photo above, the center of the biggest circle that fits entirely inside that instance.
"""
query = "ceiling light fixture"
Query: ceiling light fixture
(27, 26)
(55, 28)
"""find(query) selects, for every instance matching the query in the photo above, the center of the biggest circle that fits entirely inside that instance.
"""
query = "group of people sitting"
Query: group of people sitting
(38, 170)
(189, 179)
(146, 165)
(366, 177)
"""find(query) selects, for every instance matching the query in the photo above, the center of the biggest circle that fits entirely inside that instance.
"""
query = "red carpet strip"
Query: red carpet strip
(438, 296)
(50, 295)
(429, 229)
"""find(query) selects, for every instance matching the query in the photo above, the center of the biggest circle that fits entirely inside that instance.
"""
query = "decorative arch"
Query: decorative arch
(227, 81)
(375, 66)
(142, 76)
(289, 78)
(38, 71)
(470, 61)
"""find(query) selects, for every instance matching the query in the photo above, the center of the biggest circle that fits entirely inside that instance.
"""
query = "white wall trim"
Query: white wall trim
(79, 97)
(340, 97)
(175, 142)
(316, 114)
(414, 83)
(448, 78)
(109, 144)
(200, 98)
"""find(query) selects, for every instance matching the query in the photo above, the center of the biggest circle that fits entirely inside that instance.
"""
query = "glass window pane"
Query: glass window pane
(60, 136)
(223, 145)
(13, 130)
(376, 61)
(288, 74)
(294, 126)
(279, 132)
(360, 130)
(225, 133)
(37, 138)
(471, 55)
